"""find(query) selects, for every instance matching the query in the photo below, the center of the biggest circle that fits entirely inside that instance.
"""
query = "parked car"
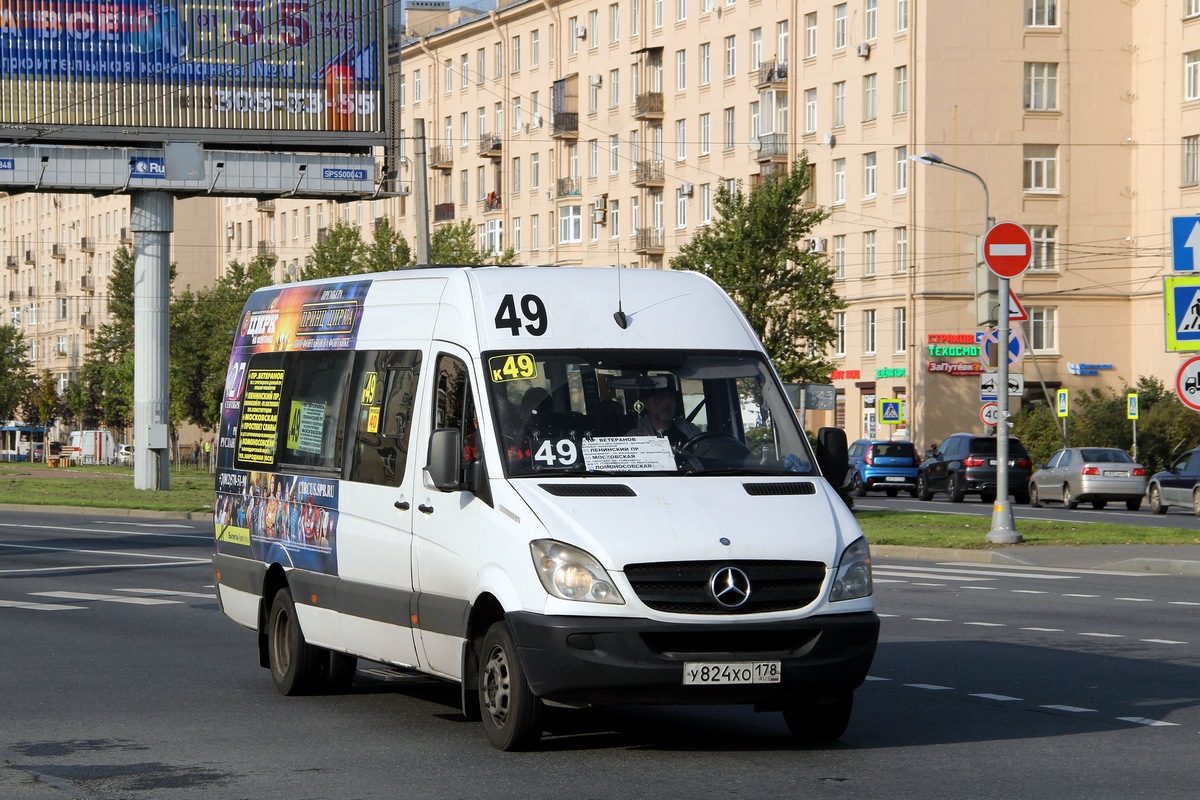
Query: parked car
(966, 464)
(39, 449)
(1089, 474)
(125, 454)
(1177, 486)
(882, 464)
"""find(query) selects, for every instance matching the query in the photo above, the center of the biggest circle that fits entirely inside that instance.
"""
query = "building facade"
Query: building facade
(587, 132)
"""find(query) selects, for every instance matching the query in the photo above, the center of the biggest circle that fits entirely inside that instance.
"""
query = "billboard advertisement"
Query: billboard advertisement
(275, 72)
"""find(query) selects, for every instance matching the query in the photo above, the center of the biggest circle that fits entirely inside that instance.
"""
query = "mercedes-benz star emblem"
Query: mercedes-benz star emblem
(730, 587)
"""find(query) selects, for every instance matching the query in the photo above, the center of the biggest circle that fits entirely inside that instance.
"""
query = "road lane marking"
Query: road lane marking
(1071, 709)
(169, 593)
(40, 606)
(929, 572)
(112, 531)
(1027, 591)
(929, 619)
(107, 598)
(933, 687)
(987, 624)
(1102, 635)
(1162, 641)
(895, 574)
(1154, 723)
(1088, 596)
(1003, 698)
(1044, 630)
(1135, 599)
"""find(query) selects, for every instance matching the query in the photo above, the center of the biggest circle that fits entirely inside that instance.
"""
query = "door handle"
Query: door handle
(424, 509)
(402, 505)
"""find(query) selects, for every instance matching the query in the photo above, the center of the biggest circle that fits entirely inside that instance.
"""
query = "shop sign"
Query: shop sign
(1086, 369)
(956, 367)
(846, 375)
(890, 372)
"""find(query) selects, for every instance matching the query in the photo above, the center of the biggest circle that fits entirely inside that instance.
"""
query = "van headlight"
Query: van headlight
(572, 574)
(853, 577)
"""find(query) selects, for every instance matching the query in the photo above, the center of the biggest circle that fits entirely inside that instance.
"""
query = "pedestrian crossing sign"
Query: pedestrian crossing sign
(1181, 294)
(891, 412)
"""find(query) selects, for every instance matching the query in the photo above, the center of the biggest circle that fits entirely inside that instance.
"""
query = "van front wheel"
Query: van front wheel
(295, 664)
(819, 723)
(512, 714)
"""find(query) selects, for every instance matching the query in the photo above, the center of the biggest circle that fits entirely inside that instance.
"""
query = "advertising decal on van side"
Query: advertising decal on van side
(282, 517)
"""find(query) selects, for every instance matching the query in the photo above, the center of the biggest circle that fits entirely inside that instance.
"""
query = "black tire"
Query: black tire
(858, 487)
(1068, 499)
(954, 488)
(1021, 498)
(1099, 504)
(1156, 503)
(891, 492)
(512, 714)
(1134, 505)
(987, 497)
(922, 492)
(819, 723)
(912, 493)
(295, 664)
(1034, 500)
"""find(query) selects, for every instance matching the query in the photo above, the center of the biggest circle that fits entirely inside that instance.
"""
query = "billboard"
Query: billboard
(268, 72)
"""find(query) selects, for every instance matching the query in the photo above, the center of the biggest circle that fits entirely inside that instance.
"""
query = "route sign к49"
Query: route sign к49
(1007, 249)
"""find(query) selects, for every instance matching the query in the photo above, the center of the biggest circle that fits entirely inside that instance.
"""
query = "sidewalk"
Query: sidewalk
(1181, 559)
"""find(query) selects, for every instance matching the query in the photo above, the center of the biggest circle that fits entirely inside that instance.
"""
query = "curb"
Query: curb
(1157, 566)
(112, 512)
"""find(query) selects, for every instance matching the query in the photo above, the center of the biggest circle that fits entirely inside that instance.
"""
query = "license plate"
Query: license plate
(698, 672)
(1114, 473)
(992, 462)
(896, 479)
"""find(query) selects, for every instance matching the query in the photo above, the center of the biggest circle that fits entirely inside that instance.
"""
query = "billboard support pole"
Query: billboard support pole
(151, 219)
(420, 191)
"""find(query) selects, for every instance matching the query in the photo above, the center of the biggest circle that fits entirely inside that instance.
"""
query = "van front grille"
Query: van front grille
(684, 587)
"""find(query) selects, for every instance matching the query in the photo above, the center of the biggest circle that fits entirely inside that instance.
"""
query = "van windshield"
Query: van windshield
(644, 412)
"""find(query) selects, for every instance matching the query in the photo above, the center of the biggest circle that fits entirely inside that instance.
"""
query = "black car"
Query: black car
(966, 464)
(1177, 486)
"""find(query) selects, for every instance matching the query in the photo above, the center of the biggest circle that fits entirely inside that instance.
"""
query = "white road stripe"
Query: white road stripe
(40, 606)
(1089, 596)
(1028, 591)
(929, 619)
(110, 531)
(933, 687)
(929, 572)
(1182, 603)
(1003, 698)
(1071, 709)
(1044, 630)
(107, 598)
(1162, 641)
(982, 588)
(1135, 599)
(895, 574)
(987, 624)
(169, 593)
(1064, 570)
(1103, 635)
(1154, 723)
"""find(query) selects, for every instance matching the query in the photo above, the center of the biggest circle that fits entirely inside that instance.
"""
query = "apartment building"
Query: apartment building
(587, 132)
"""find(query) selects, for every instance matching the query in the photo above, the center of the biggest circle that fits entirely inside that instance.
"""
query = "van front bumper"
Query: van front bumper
(582, 661)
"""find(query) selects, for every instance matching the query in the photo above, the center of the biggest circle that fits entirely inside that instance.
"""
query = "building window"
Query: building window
(514, 54)
(1041, 87)
(705, 203)
(901, 15)
(901, 98)
(810, 110)
(1191, 75)
(535, 170)
(839, 333)
(516, 237)
(1191, 160)
(614, 88)
(680, 209)
(535, 48)
(729, 128)
(614, 153)
(1041, 13)
(901, 317)
(839, 256)
(839, 26)
(839, 104)
(491, 237)
(901, 237)
(730, 56)
(870, 103)
(871, 21)
(810, 34)
(416, 86)
(901, 170)
(614, 218)
(570, 224)
(869, 253)
(1045, 239)
(535, 232)
(870, 175)
(705, 134)
(572, 36)
(1042, 329)
(1041, 168)
(614, 23)
(680, 139)
(705, 63)
(839, 180)
(1191, 8)
(755, 49)
(657, 11)
(593, 158)
(869, 331)
(681, 10)
(516, 174)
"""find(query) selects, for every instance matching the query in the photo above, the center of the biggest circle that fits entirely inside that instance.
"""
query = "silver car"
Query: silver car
(1077, 475)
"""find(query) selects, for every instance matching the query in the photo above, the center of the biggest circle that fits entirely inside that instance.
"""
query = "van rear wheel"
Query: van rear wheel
(295, 664)
(819, 723)
(512, 714)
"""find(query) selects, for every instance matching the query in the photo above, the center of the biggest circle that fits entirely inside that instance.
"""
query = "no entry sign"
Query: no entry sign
(1007, 249)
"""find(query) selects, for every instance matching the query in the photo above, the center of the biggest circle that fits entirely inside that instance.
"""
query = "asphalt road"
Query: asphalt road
(120, 678)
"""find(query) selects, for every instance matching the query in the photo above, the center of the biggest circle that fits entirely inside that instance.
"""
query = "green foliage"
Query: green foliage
(340, 252)
(458, 244)
(753, 251)
(388, 250)
(14, 370)
(42, 406)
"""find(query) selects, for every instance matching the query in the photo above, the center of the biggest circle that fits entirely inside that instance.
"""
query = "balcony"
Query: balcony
(266, 248)
(443, 212)
(32, 291)
(650, 241)
(441, 157)
(10, 262)
(13, 294)
(568, 187)
(58, 251)
(126, 236)
(648, 174)
(266, 206)
(30, 257)
(491, 146)
(772, 74)
(491, 202)
(648, 105)
(87, 321)
(60, 287)
(87, 244)
(87, 283)
(772, 147)
(565, 125)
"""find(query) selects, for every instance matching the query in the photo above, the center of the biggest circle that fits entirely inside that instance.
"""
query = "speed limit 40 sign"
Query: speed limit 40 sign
(990, 414)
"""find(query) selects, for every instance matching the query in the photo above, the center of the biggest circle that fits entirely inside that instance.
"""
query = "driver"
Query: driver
(656, 416)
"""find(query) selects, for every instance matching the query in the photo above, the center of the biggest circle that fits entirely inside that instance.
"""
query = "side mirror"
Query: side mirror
(445, 459)
(833, 456)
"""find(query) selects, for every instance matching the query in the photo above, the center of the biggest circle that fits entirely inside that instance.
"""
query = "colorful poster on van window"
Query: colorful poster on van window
(302, 318)
(289, 519)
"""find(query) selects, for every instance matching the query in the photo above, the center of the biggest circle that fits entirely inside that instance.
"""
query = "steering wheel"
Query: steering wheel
(689, 447)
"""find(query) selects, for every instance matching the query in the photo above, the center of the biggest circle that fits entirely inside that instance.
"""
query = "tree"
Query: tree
(388, 250)
(43, 405)
(340, 252)
(458, 244)
(14, 370)
(753, 251)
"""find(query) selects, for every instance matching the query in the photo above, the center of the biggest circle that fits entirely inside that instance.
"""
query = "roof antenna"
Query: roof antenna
(619, 316)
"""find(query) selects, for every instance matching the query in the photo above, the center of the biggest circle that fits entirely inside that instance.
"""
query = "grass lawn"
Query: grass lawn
(102, 487)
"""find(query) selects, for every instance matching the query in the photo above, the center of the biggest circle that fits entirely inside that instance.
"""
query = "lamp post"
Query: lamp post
(1003, 530)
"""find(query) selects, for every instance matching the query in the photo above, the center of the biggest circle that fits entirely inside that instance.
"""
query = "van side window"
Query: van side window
(385, 386)
(454, 404)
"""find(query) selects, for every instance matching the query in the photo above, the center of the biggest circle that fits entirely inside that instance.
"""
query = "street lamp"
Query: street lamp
(1003, 530)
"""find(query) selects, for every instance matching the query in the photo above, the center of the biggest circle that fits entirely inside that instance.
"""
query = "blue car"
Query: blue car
(1177, 486)
(881, 464)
